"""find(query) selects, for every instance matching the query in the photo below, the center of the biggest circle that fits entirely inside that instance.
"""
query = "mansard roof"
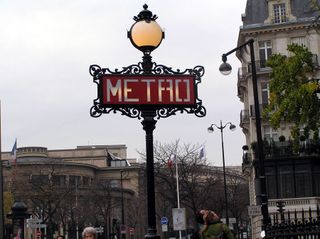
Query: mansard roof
(256, 12)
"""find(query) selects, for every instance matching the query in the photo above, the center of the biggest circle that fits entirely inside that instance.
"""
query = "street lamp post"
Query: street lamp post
(225, 69)
(122, 203)
(18, 214)
(146, 35)
(147, 90)
(221, 128)
(2, 229)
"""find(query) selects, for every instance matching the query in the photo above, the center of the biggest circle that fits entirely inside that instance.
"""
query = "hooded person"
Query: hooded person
(213, 227)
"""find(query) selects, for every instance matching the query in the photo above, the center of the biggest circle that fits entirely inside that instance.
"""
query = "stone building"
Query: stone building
(69, 189)
(292, 178)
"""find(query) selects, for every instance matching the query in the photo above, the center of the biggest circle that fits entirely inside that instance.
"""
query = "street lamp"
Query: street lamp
(146, 35)
(122, 204)
(221, 128)
(225, 69)
(18, 214)
(147, 90)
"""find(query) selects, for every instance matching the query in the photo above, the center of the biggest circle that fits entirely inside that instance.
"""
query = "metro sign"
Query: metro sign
(144, 90)
(135, 91)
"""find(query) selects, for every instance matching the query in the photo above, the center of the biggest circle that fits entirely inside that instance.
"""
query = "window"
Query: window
(86, 181)
(59, 180)
(119, 163)
(316, 180)
(279, 11)
(115, 183)
(74, 180)
(264, 52)
(270, 134)
(286, 188)
(265, 93)
(271, 182)
(302, 41)
(303, 181)
(40, 179)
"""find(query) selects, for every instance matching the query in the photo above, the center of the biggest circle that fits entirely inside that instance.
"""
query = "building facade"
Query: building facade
(291, 177)
(72, 188)
(69, 189)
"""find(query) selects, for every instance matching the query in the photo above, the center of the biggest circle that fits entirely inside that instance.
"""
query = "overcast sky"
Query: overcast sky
(46, 91)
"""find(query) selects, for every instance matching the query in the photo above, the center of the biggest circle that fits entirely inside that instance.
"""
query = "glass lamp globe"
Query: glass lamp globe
(225, 68)
(146, 35)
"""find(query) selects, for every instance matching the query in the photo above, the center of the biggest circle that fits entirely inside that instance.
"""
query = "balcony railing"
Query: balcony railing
(285, 149)
(244, 116)
(242, 72)
(261, 65)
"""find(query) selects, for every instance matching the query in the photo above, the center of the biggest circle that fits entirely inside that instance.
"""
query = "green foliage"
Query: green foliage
(8, 202)
(292, 91)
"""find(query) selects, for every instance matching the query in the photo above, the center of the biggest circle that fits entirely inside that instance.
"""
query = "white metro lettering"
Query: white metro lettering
(148, 90)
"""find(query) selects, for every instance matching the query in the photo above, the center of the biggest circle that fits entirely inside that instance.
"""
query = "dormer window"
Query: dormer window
(279, 11)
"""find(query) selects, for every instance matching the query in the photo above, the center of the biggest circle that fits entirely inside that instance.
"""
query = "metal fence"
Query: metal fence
(295, 225)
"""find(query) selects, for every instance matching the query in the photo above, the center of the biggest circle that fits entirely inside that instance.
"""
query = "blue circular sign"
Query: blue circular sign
(164, 220)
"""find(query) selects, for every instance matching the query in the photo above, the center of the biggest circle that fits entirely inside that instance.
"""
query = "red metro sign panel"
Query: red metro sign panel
(144, 90)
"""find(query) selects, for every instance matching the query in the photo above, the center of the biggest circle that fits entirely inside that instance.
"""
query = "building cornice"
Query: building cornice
(274, 28)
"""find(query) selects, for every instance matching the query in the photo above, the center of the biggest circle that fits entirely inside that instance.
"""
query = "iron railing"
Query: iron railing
(295, 225)
(284, 149)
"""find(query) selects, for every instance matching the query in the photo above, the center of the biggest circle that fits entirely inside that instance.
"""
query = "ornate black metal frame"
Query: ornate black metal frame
(140, 69)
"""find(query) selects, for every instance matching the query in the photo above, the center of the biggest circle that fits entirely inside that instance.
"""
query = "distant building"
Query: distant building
(85, 186)
(291, 178)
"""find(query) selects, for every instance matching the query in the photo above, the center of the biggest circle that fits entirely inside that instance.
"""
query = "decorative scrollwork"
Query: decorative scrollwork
(199, 111)
(199, 70)
(98, 109)
(156, 69)
(94, 70)
(135, 112)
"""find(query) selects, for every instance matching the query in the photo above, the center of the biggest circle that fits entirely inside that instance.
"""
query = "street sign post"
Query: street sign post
(254, 210)
(179, 219)
(164, 221)
(164, 227)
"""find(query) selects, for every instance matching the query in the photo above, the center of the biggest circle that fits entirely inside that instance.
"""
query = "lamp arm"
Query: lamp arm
(216, 126)
(229, 123)
(224, 56)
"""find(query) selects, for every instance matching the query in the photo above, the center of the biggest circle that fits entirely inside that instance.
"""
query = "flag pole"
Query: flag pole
(178, 194)
(1, 186)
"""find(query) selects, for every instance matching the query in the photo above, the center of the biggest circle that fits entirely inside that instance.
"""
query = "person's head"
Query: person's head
(212, 216)
(60, 237)
(206, 216)
(89, 233)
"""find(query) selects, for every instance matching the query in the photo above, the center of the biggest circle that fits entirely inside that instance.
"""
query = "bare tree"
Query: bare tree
(43, 192)
(197, 181)
(103, 199)
(238, 197)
